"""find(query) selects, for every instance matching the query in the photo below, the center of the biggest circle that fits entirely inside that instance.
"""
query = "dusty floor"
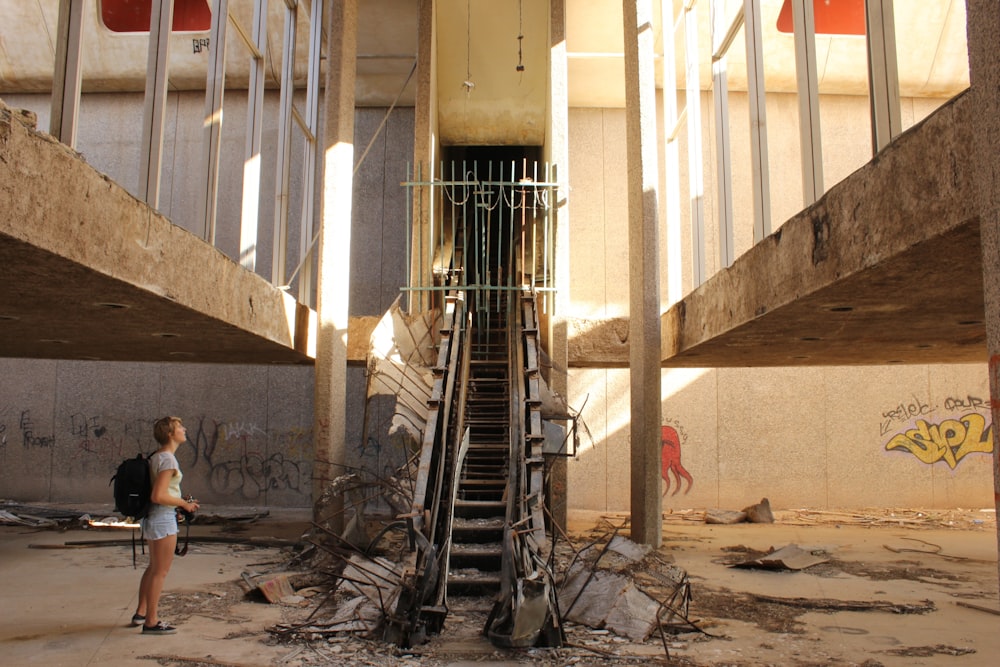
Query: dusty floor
(897, 588)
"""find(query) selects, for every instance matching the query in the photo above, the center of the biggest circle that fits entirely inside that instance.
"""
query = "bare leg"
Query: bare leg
(161, 556)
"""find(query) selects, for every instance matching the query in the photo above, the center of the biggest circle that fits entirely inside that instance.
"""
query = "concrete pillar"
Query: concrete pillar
(333, 282)
(557, 148)
(644, 272)
(983, 25)
(424, 152)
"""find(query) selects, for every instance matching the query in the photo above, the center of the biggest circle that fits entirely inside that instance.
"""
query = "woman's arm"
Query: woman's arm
(161, 492)
(161, 489)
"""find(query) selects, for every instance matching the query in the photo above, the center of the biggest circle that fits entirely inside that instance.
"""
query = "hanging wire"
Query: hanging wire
(468, 84)
(520, 35)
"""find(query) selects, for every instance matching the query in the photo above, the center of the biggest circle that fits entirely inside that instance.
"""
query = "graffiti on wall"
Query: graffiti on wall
(670, 460)
(231, 457)
(29, 437)
(244, 472)
(947, 440)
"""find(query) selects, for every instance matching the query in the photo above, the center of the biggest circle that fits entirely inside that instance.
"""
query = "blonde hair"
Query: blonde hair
(164, 427)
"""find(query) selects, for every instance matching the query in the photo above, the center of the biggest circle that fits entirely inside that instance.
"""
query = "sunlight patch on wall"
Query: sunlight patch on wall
(675, 380)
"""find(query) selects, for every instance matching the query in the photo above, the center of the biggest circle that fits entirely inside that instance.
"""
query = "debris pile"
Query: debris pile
(759, 513)
(610, 585)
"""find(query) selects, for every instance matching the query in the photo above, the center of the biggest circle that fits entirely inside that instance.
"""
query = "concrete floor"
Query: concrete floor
(71, 606)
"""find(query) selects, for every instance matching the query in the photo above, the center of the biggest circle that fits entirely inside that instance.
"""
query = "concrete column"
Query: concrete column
(644, 272)
(557, 148)
(983, 25)
(333, 282)
(424, 153)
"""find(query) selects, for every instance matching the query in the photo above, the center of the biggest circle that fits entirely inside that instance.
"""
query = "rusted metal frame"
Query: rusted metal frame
(502, 614)
(522, 559)
(401, 624)
(433, 417)
(457, 447)
(534, 434)
(462, 448)
(459, 350)
(427, 572)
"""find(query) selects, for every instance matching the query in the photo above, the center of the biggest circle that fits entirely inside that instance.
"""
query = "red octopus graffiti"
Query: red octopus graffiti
(670, 457)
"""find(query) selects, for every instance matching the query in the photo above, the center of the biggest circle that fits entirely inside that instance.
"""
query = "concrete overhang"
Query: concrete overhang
(886, 268)
(89, 272)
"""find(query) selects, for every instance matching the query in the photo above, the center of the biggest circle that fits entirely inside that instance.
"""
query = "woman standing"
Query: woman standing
(160, 525)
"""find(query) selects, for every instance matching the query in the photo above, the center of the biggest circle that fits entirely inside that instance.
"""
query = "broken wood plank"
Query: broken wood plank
(827, 604)
(977, 607)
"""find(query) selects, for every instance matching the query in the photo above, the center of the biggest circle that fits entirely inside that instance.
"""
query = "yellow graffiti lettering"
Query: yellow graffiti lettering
(950, 441)
(979, 437)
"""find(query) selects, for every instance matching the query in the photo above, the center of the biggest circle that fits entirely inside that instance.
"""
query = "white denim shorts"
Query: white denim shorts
(157, 525)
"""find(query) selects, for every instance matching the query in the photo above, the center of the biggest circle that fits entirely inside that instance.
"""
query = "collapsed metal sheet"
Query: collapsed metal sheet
(400, 357)
(790, 557)
(603, 599)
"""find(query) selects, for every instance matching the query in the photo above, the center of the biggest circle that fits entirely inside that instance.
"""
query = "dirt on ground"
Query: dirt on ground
(720, 612)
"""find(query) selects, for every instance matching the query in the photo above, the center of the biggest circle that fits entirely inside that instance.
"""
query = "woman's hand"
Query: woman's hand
(190, 505)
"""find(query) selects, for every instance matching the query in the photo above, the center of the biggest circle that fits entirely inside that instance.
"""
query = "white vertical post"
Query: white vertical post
(723, 159)
(66, 75)
(758, 120)
(310, 171)
(255, 118)
(672, 185)
(153, 116)
(808, 91)
(283, 167)
(215, 87)
(883, 78)
(696, 178)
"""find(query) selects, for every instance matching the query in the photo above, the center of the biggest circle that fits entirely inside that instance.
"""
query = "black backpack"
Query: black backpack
(133, 487)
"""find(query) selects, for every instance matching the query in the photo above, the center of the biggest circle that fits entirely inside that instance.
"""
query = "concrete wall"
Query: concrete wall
(803, 437)
(64, 426)
(810, 437)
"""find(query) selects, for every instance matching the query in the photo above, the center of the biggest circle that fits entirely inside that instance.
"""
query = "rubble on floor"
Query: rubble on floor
(612, 591)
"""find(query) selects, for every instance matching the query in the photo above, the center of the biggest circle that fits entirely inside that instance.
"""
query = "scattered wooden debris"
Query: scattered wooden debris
(977, 607)
(262, 542)
(22, 519)
(935, 550)
(929, 651)
(825, 604)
